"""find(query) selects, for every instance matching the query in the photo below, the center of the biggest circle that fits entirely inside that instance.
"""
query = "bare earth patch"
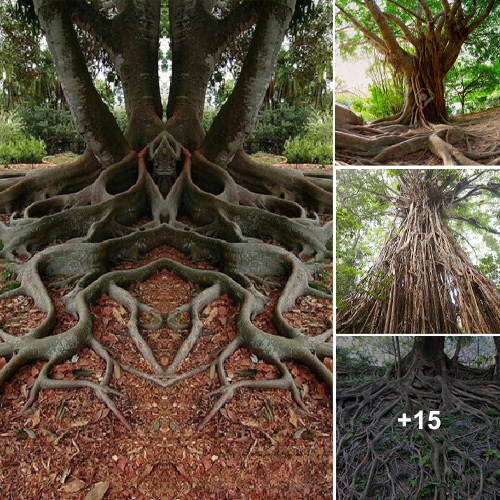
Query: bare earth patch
(260, 446)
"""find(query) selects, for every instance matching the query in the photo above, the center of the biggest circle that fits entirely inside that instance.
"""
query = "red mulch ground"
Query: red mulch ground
(260, 446)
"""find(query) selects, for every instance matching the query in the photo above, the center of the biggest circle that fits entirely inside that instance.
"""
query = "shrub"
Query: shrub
(316, 146)
(11, 128)
(49, 124)
(306, 150)
(23, 151)
(281, 123)
(15, 147)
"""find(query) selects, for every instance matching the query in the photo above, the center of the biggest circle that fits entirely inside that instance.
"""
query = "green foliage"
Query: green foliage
(494, 477)
(48, 124)
(281, 123)
(353, 361)
(386, 93)
(359, 104)
(491, 454)
(11, 128)
(305, 150)
(471, 83)
(489, 266)
(360, 224)
(316, 145)
(25, 151)
(208, 117)
(121, 119)
(15, 147)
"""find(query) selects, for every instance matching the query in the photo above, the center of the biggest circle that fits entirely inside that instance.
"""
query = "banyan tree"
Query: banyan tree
(423, 281)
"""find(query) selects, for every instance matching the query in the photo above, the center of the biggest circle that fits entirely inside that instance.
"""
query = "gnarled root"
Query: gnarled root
(80, 237)
(450, 144)
(378, 458)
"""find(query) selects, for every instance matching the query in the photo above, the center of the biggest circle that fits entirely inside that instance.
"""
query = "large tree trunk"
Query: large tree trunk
(422, 280)
(424, 101)
(93, 119)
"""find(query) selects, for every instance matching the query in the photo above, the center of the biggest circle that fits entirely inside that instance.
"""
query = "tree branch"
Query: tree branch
(408, 11)
(428, 13)
(240, 18)
(102, 136)
(89, 19)
(481, 18)
(383, 26)
(379, 42)
(235, 120)
(408, 34)
(474, 223)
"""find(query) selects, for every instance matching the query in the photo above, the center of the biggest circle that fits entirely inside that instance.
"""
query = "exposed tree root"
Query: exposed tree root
(386, 143)
(379, 459)
(80, 231)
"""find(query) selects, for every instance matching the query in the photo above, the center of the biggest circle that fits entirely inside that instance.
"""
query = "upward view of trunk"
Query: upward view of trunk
(422, 280)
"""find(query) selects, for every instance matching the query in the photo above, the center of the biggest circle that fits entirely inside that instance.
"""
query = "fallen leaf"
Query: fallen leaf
(98, 491)
(229, 414)
(74, 486)
(250, 423)
(64, 475)
(268, 410)
(307, 434)
(99, 415)
(328, 362)
(35, 418)
(182, 472)
(207, 462)
(118, 315)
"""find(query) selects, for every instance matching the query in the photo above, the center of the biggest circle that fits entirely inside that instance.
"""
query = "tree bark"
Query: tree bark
(93, 119)
(234, 122)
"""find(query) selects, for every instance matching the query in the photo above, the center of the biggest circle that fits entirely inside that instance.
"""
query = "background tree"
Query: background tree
(360, 226)
(378, 458)
(422, 281)
(164, 181)
(466, 80)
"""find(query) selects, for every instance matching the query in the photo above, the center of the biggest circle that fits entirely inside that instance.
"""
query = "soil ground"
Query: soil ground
(260, 446)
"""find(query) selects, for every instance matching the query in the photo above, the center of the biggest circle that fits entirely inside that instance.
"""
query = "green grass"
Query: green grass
(61, 158)
(268, 158)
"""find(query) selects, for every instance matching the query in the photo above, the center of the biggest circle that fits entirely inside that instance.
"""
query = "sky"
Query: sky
(352, 73)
